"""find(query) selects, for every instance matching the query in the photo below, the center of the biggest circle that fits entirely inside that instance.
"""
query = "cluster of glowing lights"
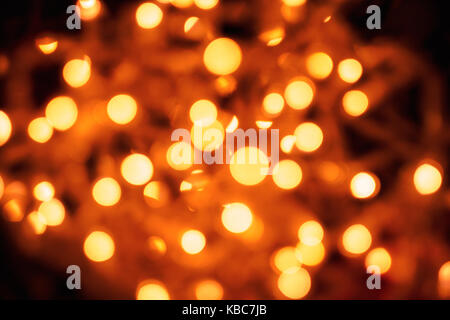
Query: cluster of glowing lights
(364, 185)
(287, 174)
(356, 239)
(273, 103)
(61, 112)
(148, 15)
(44, 191)
(40, 130)
(308, 137)
(350, 70)
(193, 242)
(249, 166)
(152, 290)
(190, 23)
(299, 94)
(355, 102)
(5, 128)
(294, 284)
(310, 233)
(180, 155)
(444, 280)
(237, 217)
(122, 109)
(106, 192)
(222, 56)
(379, 257)
(319, 65)
(77, 72)
(137, 169)
(427, 179)
(208, 290)
(99, 246)
(53, 211)
(203, 113)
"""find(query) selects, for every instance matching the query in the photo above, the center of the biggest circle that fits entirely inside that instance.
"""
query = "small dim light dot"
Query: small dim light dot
(53, 212)
(298, 94)
(189, 24)
(122, 109)
(106, 192)
(203, 113)
(444, 280)
(364, 185)
(37, 222)
(180, 156)
(355, 102)
(295, 285)
(285, 259)
(148, 15)
(5, 128)
(294, 3)
(356, 239)
(237, 217)
(77, 72)
(310, 233)
(350, 70)
(308, 137)
(287, 174)
(222, 56)
(249, 165)
(152, 290)
(40, 130)
(287, 143)
(379, 257)
(13, 210)
(47, 45)
(193, 241)
(208, 290)
(319, 65)
(44, 191)
(157, 244)
(61, 112)
(137, 169)
(206, 4)
(427, 179)
(310, 255)
(2, 187)
(273, 103)
(99, 246)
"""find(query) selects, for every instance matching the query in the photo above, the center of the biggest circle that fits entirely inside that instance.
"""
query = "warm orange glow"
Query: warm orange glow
(285, 259)
(222, 56)
(379, 257)
(287, 174)
(122, 109)
(237, 217)
(249, 166)
(273, 103)
(182, 4)
(137, 169)
(319, 65)
(106, 192)
(308, 137)
(148, 15)
(89, 9)
(61, 112)
(157, 244)
(233, 125)
(53, 212)
(225, 85)
(13, 211)
(273, 37)
(296, 284)
(44, 191)
(2, 187)
(356, 239)
(40, 130)
(355, 102)
(193, 241)
(156, 194)
(427, 179)
(294, 3)
(310, 233)
(47, 45)
(263, 124)
(77, 72)
(208, 138)
(203, 113)
(180, 156)
(364, 185)
(206, 4)
(5, 128)
(298, 94)
(99, 246)
(152, 290)
(350, 70)
(37, 222)
(208, 290)
(287, 143)
(310, 255)
(444, 280)
(189, 24)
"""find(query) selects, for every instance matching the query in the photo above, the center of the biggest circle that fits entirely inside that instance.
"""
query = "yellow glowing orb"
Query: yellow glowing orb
(99, 246)
(298, 94)
(249, 166)
(47, 45)
(285, 259)
(13, 210)
(190, 23)
(61, 112)
(137, 169)
(296, 284)
(106, 192)
(77, 72)
(37, 222)
(364, 185)
(355, 102)
(148, 15)
(427, 179)
(310, 233)
(356, 239)
(319, 65)
(444, 280)
(203, 113)
(350, 70)
(287, 174)
(208, 138)
(53, 211)
(273, 103)
(237, 217)
(180, 156)
(193, 241)
(152, 290)
(40, 130)
(379, 257)
(308, 137)
(294, 3)
(208, 290)
(310, 255)
(287, 143)
(89, 9)
(206, 4)
(5, 128)
(182, 4)
(43, 191)
(122, 109)
(222, 56)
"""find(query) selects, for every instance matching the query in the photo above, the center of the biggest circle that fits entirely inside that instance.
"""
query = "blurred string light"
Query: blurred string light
(236, 217)
(180, 156)
(319, 65)
(189, 23)
(294, 284)
(308, 137)
(310, 255)
(122, 109)
(287, 174)
(273, 103)
(99, 246)
(203, 113)
(182, 4)
(43, 191)
(310, 233)
(287, 143)
(137, 169)
(5, 128)
(47, 45)
(356, 239)
(209, 290)
(427, 179)
(379, 257)
(193, 241)
(350, 70)
(444, 280)
(285, 259)
(148, 15)
(157, 244)
(37, 222)
(364, 185)
(40, 130)
(355, 102)
(222, 56)
(299, 94)
(53, 211)
(249, 166)
(152, 290)
(106, 192)
(89, 9)
(77, 72)
(156, 194)
(61, 112)
(207, 137)
(206, 4)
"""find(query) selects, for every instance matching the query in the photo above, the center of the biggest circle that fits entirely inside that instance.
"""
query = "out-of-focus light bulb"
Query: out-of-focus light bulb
(379, 257)
(53, 212)
(180, 155)
(5, 128)
(310, 233)
(249, 165)
(152, 290)
(44, 191)
(364, 185)
(148, 15)
(99, 246)
(222, 56)
(137, 169)
(287, 174)
(296, 284)
(309, 137)
(193, 241)
(350, 70)
(237, 217)
(273, 103)
(355, 102)
(61, 112)
(106, 192)
(427, 179)
(356, 239)
(203, 113)
(208, 290)
(206, 4)
(77, 72)
(319, 65)
(298, 94)
(122, 109)
(40, 130)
